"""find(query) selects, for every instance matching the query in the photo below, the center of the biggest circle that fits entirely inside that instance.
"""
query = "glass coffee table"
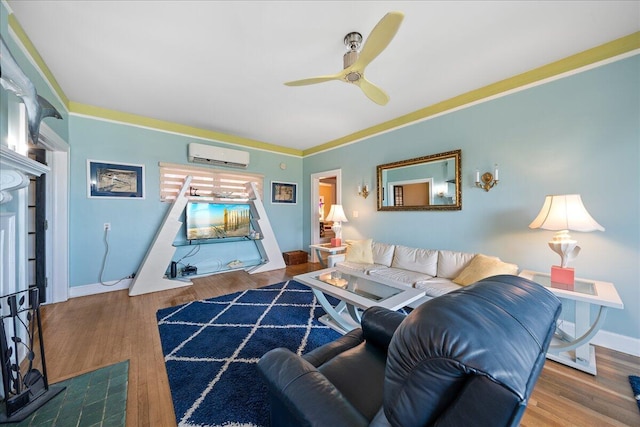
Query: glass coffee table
(356, 293)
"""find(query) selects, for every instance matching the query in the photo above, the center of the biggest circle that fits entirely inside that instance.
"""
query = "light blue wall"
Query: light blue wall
(580, 134)
(135, 222)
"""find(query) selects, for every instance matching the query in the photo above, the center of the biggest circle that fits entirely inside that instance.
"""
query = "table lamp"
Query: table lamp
(562, 213)
(336, 215)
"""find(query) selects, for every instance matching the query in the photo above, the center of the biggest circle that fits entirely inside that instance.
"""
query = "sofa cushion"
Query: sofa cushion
(382, 253)
(359, 267)
(482, 266)
(407, 277)
(451, 263)
(359, 251)
(437, 286)
(415, 259)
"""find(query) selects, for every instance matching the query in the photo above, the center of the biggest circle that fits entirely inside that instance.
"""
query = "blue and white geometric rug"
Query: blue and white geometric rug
(211, 348)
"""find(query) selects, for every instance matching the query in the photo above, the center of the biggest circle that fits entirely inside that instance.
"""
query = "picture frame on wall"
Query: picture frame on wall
(114, 180)
(284, 192)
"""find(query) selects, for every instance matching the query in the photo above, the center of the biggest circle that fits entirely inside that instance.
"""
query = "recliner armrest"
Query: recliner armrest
(379, 325)
(307, 396)
(326, 352)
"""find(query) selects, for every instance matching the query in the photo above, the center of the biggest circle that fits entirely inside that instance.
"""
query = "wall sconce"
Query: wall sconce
(488, 180)
(363, 191)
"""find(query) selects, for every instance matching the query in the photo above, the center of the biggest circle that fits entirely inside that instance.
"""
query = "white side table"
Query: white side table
(326, 247)
(574, 349)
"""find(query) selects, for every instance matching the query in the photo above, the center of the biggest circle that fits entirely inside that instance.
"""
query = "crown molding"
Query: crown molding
(94, 112)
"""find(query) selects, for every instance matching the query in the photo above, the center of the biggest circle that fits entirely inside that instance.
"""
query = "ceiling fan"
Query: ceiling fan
(356, 61)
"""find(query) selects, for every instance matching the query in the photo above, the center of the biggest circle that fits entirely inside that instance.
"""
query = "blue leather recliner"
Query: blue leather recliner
(467, 358)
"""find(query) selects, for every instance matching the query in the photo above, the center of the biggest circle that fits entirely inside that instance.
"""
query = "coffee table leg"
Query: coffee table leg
(334, 313)
(355, 313)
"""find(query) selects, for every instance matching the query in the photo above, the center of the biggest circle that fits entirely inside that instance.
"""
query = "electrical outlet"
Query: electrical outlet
(107, 226)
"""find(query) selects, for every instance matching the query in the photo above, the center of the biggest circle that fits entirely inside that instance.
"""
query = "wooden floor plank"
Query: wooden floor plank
(91, 332)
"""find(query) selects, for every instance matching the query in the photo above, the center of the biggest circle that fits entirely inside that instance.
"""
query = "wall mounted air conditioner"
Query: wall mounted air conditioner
(212, 155)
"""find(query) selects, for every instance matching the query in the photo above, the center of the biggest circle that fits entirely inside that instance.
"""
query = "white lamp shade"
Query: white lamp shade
(565, 212)
(336, 214)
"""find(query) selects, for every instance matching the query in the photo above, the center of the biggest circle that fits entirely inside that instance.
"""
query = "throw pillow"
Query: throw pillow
(359, 251)
(481, 267)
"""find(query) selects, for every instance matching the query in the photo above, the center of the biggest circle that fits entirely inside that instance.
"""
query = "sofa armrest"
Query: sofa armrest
(302, 395)
(379, 325)
(333, 259)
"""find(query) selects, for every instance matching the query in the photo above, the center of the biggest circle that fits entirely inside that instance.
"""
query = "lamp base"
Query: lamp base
(562, 276)
(336, 242)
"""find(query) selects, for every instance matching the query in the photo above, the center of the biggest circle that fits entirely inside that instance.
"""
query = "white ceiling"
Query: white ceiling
(221, 65)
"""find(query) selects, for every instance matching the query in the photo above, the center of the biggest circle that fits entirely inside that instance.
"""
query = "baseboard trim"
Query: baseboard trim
(617, 342)
(98, 288)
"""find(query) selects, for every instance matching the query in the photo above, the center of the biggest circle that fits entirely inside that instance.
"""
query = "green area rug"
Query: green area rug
(94, 399)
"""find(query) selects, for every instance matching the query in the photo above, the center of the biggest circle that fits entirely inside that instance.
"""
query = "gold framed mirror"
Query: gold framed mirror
(421, 184)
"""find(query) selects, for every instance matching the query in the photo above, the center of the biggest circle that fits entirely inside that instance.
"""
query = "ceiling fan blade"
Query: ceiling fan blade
(314, 80)
(379, 39)
(373, 92)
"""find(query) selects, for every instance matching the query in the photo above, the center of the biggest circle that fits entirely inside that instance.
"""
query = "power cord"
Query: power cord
(104, 260)
(191, 253)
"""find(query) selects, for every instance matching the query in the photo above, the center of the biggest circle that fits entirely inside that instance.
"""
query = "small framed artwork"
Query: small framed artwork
(115, 180)
(284, 192)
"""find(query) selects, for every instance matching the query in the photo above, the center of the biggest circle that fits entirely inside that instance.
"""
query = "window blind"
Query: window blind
(207, 184)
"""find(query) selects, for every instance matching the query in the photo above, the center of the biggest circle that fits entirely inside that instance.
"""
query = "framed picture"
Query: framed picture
(284, 192)
(115, 180)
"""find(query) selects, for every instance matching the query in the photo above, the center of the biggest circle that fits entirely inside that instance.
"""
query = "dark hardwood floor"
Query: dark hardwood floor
(90, 332)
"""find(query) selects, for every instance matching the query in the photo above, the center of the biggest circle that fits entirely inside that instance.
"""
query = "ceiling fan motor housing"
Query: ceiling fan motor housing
(352, 41)
(349, 58)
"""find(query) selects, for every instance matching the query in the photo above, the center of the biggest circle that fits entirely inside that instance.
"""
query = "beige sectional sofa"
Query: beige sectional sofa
(435, 271)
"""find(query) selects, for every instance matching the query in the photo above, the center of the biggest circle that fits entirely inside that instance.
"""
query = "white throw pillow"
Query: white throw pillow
(481, 267)
(382, 253)
(359, 251)
(416, 259)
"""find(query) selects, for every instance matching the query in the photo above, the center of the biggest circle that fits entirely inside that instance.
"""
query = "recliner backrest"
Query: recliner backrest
(480, 347)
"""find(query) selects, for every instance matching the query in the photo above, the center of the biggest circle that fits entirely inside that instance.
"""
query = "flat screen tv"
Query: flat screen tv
(217, 220)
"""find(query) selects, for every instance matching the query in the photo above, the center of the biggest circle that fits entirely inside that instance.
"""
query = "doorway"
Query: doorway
(57, 215)
(326, 189)
(36, 228)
